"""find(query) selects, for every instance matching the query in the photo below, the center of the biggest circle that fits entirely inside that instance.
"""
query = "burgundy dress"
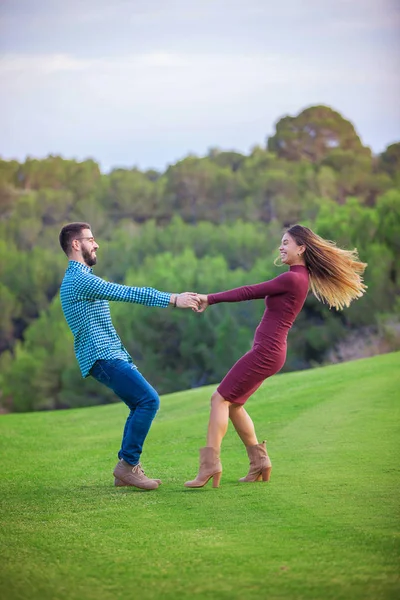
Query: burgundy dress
(284, 299)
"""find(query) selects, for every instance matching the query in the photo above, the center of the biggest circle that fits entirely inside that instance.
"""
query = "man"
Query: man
(99, 350)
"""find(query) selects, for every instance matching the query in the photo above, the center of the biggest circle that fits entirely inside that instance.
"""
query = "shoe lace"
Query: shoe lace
(138, 469)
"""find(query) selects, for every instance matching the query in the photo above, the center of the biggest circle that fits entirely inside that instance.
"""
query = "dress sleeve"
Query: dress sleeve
(281, 284)
(91, 287)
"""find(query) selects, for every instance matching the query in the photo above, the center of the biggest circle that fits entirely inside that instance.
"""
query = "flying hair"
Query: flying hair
(335, 273)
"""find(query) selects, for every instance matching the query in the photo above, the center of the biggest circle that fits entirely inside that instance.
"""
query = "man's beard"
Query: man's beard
(88, 258)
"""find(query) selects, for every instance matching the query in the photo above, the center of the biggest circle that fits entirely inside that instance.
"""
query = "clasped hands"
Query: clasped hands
(197, 302)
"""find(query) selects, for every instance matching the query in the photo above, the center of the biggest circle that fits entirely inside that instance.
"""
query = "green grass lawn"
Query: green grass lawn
(325, 527)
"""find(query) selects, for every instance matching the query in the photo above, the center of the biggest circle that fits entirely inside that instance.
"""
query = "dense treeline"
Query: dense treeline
(205, 224)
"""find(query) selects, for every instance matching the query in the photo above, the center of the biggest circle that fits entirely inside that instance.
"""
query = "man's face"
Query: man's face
(88, 247)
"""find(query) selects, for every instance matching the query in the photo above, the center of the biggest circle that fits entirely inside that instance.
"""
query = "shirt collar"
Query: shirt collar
(298, 267)
(74, 264)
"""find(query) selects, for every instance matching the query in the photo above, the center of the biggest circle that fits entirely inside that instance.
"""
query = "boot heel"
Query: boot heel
(260, 464)
(216, 479)
(266, 473)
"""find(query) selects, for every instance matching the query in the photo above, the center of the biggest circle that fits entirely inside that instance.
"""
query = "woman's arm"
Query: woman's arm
(279, 285)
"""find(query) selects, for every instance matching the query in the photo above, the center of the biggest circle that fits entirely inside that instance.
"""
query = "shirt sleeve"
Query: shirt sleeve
(91, 287)
(281, 284)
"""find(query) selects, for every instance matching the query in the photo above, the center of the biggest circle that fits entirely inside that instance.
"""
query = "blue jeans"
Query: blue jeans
(142, 399)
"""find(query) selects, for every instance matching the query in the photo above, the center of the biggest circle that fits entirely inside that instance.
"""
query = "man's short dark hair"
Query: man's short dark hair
(69, 233)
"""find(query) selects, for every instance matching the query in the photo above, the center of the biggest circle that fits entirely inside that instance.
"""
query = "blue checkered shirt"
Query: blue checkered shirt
(84, 300)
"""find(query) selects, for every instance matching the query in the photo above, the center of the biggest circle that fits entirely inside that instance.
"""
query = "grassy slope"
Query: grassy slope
(325, 527)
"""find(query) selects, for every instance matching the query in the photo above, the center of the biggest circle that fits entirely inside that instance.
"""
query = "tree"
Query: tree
(356, 176)
(313, 134)
(233, 160)
(129, 194)
(389, 161)
(82, 178)
(199, 189)
(10, 311)
(388, 211)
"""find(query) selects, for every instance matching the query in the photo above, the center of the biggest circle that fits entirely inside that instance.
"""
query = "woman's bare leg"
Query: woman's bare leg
(218, 422)
(243, 424)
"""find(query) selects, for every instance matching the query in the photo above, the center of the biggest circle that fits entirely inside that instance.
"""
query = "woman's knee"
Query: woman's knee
(216, 398)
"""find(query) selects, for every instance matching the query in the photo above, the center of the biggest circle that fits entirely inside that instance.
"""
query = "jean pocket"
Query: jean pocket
(99, 373)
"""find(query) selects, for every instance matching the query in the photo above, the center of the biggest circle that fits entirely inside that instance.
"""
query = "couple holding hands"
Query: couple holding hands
(334, 276)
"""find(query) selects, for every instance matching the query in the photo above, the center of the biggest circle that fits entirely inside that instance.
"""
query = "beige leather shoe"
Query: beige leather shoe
(133, 475)
(120, 483)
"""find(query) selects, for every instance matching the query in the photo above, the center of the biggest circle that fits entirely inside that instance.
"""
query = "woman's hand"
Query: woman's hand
(203, 302)
(187, 300)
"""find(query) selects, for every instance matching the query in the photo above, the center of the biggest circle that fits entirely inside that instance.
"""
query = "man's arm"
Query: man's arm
(91, 287)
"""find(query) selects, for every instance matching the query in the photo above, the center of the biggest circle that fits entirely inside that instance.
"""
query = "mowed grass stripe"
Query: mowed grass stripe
(325, 527)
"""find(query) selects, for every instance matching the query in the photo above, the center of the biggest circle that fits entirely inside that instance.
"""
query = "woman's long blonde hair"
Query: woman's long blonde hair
(335, 274)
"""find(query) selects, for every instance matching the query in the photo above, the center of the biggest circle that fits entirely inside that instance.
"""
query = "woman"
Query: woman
(334, 276)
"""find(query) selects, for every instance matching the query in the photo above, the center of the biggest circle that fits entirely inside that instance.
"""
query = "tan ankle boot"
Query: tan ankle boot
(260, 464)
(133, 475)
(210, 466)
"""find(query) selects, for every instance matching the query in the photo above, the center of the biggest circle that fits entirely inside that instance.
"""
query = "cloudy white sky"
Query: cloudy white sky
(145, 82)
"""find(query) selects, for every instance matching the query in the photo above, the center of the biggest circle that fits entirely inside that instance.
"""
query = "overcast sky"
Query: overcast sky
(145, 82)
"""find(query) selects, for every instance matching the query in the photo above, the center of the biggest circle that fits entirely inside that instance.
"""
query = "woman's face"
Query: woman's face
(290, 252)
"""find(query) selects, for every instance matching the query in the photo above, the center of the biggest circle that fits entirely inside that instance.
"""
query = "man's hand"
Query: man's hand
(188, 300)
(203, 302)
